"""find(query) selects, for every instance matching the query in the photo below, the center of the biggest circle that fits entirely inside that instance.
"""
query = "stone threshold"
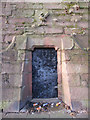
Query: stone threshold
(49, 100)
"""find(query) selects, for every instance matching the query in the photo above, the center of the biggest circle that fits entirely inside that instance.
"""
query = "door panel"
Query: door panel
(44, 73)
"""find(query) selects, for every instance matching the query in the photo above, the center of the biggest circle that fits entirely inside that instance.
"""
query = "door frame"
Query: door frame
(59, 69)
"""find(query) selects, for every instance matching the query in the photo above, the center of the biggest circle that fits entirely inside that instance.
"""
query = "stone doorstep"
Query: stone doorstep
(58, 114)
(45, 100)
(13, 107)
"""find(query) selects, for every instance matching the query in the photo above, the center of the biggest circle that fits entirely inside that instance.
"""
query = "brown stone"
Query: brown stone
(74, 68)
(72, 30)
(11, 68)
(83, 4)
(84, 80)
(13, 81)
(11, 94)
(53, 30)
(23, 13)
(79, 93)
(84, 24)
(9, 56)
(54, 6)
(74, 80)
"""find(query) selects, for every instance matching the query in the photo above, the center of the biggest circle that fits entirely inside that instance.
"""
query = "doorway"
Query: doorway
(44, 73)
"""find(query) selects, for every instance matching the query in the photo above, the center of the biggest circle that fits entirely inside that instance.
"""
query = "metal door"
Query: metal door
(44, 73)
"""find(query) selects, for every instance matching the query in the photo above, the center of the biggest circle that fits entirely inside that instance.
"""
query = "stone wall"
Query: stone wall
(45, 24)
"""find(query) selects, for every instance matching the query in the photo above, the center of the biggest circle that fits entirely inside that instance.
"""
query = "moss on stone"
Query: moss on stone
(3, 104)
(23, 22)
(70, 26)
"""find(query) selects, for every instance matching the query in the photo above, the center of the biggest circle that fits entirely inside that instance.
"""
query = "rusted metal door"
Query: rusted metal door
(44, 73)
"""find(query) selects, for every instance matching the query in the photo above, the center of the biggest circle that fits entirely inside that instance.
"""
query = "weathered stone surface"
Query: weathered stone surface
(55, 6)
(84, 24)
(65, 85)
(8, 38)
(76, 18)
(78, 93)
(66, 42)
(68, 1)
(34, 41)
(85, 17)
(64, 24)
(53, 30)
(20, 21)
(82, 41)
(23, 13)
(81, 11)
(0, 67)
(24, 5)
(13, 81)
(9, 56)
(0, 10)
(11, 68)
(11, 106)
(7, 10)
(76, 52)
(75, 56)
(61, 18)
(75, 68)
(83, 4)
(28, 5)
(74, 80)
(39, 30)
(85, 103)
(57, 12)
(76, 105)
(37, 6)
(72, 30)
(51, 41)
(21, 55)
(11, 94)
(40, 16)
(21, 42)
(0, 82)
(84, 80)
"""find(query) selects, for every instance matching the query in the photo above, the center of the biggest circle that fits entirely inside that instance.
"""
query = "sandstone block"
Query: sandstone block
(57, 12)
(72, 30)
(6, 11)
(23, 13)
(79, 93)
(75, 58)
(9, 56)
(85, 16)
(11, 94)
(76, 105)
(38, 30)
(82, 11)
(21, 42)
(84, 24)
(54, 6)
(13, 81)
(11, 68)
(74, 68)
(53, 30)
(84, 80)
(66, 42)
(83, 4)
(11, 106)
(37, 6)
(74, 80)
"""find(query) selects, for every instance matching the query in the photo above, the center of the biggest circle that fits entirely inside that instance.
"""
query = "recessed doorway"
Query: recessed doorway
(44, 73)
